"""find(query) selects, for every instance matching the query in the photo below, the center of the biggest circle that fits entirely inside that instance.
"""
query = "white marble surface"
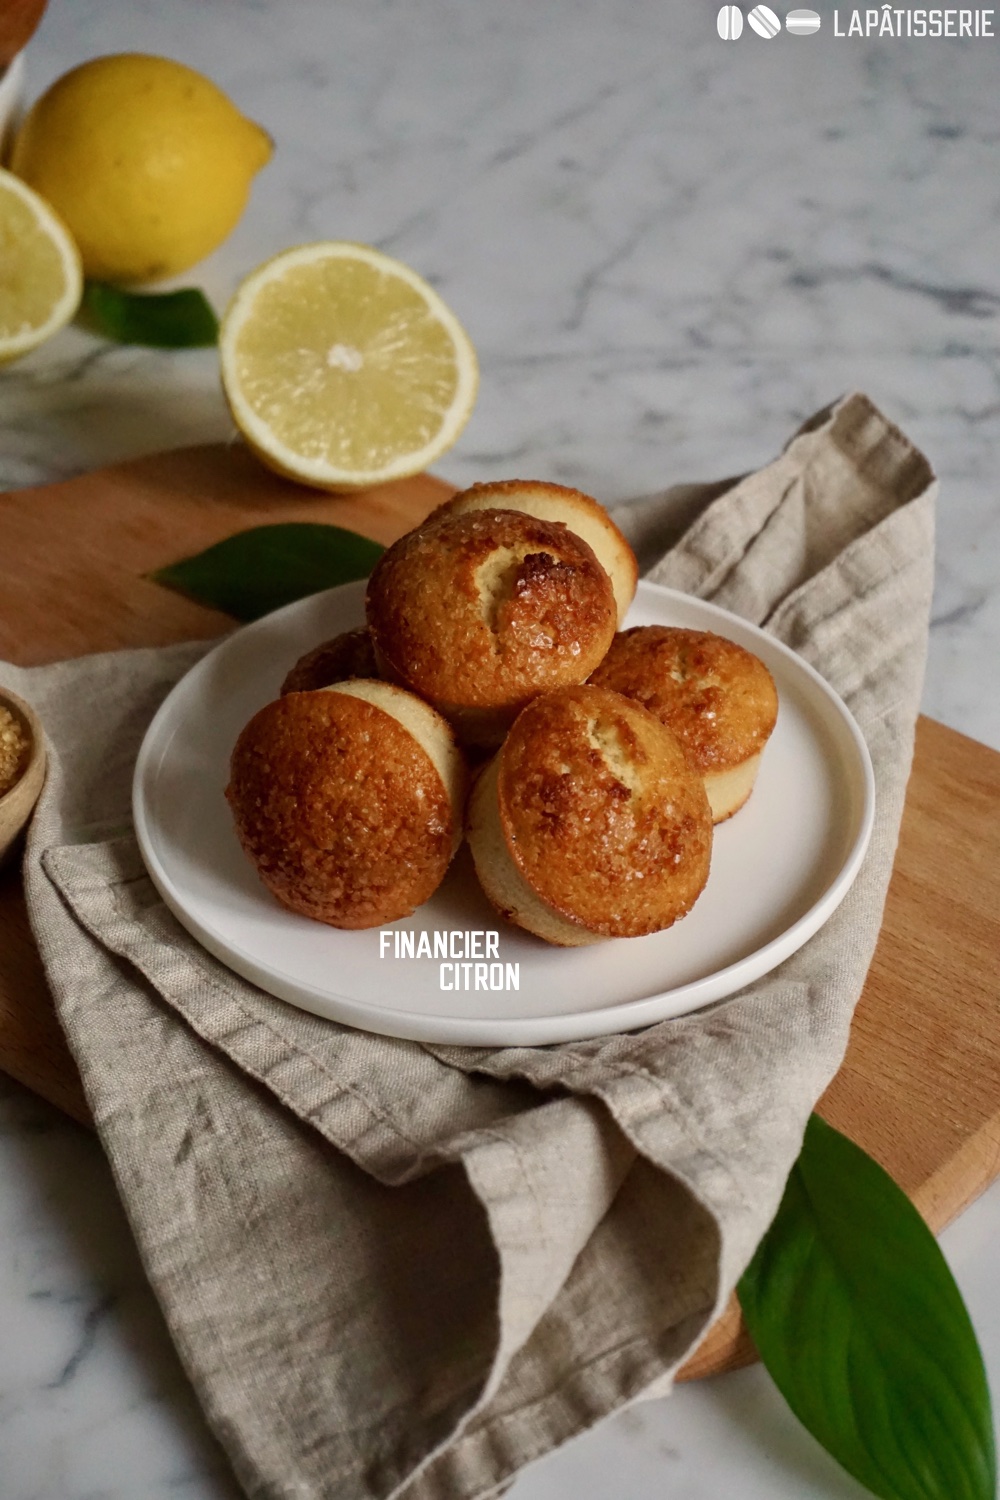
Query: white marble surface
(668, 251)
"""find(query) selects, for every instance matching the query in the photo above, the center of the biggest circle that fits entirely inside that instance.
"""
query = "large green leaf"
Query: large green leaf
(860, 1324)
(159, 320)
(255, 571)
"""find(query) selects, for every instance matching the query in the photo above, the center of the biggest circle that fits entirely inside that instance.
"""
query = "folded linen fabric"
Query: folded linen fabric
(395, 1269)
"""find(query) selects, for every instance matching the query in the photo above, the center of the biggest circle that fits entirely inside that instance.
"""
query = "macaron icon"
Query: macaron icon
(730, 23)
(802, 22)
(764, 21)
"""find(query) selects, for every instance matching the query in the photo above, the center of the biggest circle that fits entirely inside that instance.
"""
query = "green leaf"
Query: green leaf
(859, 1322)
(258, 570)
(160, 320)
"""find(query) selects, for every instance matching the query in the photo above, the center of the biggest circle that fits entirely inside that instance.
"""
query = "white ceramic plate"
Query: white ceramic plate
(779, 868)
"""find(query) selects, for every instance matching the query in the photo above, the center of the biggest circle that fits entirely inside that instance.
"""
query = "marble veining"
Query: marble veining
(93, 1402)
(668, 251)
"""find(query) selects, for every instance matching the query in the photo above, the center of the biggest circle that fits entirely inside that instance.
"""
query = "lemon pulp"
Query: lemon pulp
(343, 368)
(40, 277)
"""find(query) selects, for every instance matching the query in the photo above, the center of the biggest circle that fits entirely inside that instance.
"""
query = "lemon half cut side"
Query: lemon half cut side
(343, 369)
(41, 281)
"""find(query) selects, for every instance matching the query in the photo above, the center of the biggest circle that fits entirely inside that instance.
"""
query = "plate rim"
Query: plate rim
(478, 1031)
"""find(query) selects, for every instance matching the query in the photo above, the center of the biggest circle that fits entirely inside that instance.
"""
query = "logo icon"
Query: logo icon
(763, 20)
(730, 23)
(802, 22)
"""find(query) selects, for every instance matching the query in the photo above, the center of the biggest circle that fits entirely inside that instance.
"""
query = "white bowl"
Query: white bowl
(11, 98)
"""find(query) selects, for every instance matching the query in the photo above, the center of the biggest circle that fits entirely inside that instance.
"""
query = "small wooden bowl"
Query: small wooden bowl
(16, 805)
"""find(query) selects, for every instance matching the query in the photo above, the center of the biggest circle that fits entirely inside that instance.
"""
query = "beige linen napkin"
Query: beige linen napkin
(395, 1269)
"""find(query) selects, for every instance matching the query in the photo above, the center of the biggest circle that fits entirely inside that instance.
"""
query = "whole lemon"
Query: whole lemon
(148, 163)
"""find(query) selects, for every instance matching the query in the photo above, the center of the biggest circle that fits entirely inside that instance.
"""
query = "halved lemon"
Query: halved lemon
(343, 368)
(41, 282)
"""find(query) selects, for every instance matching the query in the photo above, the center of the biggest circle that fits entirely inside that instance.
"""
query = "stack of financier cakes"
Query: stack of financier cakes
(492, 632)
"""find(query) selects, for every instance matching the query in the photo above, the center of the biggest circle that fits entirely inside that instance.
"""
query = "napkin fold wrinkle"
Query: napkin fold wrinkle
(395, 1269)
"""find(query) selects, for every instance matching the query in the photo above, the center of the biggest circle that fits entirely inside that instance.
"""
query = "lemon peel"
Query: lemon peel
(146, 160)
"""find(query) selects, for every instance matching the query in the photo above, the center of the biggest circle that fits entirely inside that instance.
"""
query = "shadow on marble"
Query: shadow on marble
(91, 411)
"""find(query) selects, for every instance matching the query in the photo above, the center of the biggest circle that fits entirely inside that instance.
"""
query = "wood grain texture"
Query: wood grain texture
(928, 1105)
(75, 555)
(920, 1085)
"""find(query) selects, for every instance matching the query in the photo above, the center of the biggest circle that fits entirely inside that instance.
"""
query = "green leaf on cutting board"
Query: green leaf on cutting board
(857, 1318)
(159, 320)
(255, 571)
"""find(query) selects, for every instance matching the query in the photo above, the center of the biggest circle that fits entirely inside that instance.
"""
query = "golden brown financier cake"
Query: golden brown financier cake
(590, 822)
(719, 699)
(479, 613)
(556, 502)
(337, 660)
(348, 801)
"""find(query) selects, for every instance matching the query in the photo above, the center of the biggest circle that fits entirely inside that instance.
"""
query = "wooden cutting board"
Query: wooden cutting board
(920, 1086)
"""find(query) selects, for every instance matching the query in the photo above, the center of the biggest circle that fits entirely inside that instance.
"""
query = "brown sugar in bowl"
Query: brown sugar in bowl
(22, 767)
